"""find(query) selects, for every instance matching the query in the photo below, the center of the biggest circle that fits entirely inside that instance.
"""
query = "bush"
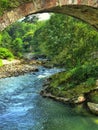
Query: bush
(83, 74)
(5, 54)
(77, 81)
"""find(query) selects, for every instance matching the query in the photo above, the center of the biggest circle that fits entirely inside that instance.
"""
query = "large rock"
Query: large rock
(79, 99)
(93, 107)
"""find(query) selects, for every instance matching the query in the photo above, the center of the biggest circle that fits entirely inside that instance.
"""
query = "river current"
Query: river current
(23, 108)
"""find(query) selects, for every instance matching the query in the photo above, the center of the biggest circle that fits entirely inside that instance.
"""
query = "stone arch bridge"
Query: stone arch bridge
(86, 10)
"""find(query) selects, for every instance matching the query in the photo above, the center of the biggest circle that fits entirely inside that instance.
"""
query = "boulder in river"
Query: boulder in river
(79, 99)
(93, 107)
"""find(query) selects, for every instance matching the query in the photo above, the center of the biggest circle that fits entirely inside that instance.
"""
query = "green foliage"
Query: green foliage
(10, 4)
(90, 82)
(76, 76)
(19, 38)
(75, 81)
(17, 47)
(67, 41)
(5, 54)
(73, 45)
(94, 96)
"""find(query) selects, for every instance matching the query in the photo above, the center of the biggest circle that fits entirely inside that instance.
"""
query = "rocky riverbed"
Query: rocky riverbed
(17, 67)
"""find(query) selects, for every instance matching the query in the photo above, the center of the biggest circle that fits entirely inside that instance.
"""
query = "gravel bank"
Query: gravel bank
(17, 68)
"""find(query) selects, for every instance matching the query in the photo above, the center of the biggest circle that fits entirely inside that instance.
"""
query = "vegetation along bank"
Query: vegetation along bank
(67, 43)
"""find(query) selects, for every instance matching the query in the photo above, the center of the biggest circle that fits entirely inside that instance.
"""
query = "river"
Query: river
(23, 108)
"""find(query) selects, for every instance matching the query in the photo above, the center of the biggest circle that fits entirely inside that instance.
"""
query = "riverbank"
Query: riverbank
(22, 107)
(75, 95)
(18, 67)
(89, 98)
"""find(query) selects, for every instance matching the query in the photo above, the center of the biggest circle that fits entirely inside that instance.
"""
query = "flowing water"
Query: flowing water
(22, 107)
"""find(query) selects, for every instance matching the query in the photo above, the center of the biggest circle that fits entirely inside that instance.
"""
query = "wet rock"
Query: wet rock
(93, 107)
(79, 99)
(44, 93)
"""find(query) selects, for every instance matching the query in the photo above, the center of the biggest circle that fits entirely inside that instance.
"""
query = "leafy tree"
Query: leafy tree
(6, 40)
(5, 53)
(18, 38)
(18, 46)
(67, 41)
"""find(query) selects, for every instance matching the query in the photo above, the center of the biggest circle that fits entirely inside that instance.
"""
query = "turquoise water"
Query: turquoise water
(22, 107)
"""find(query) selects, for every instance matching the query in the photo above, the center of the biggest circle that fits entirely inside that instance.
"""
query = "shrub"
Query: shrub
(5, 54)
(83, 74)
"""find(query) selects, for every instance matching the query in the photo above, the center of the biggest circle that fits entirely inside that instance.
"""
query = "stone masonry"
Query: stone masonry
(86, 10)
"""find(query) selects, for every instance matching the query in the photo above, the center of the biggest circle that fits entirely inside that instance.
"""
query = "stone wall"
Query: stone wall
(86, 10)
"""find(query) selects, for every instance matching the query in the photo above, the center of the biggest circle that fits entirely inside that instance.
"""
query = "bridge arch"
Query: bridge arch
(86, 10)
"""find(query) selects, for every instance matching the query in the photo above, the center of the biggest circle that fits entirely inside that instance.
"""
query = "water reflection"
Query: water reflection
(22, 107)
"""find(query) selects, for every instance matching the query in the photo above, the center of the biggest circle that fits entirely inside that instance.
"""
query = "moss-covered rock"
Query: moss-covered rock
(93, 107)
(93, 96)
(74, 84)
